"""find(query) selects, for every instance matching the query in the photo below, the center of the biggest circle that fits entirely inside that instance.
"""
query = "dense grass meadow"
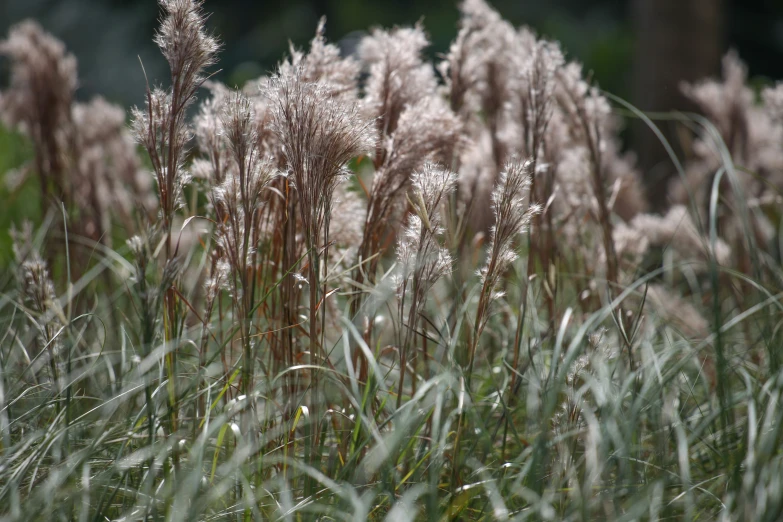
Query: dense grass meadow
(382, 287)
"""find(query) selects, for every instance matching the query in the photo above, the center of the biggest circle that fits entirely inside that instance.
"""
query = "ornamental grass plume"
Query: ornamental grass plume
(398, 76)
(237, 202)
(162, 127)
(38, 101)
(751, 134)
(421, 257)
(323, 63)
(476, 69)
(513, 213)
(320, 132)
(83, 155)
(37, 295)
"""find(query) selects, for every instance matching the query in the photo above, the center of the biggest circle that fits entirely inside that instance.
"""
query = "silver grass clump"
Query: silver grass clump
(752, 133)
(513, 213)
(421, 258)
(319, 134)
(427, 130)
(238, 203)
(398, 76)
(162, 127)
(476, 68)
(586, 120)
(323, 63)
(38, 99)
(589, 121)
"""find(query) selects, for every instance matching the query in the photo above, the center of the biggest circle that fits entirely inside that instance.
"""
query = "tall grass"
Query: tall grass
(361, 289)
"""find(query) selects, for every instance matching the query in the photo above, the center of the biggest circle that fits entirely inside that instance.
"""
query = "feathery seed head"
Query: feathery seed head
(43, 80)
(319, 134)
(185, 44)
(398, 74)
(513, 214)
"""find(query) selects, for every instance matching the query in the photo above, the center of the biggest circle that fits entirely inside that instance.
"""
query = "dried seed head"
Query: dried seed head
(319, 134)
(513, 213)
(419, 253)
(185, 44)
(43, 80)
(324, 64)
(398, 75)
(677, 230)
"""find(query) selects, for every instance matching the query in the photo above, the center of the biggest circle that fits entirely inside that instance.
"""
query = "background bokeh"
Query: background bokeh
(110, 36)
(638, 49)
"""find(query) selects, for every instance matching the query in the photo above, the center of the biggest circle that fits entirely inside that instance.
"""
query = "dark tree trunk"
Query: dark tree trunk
(677, 40)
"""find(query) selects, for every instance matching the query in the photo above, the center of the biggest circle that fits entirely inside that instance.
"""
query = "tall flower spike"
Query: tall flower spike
(161, 128)
(398, 75)
(37, 292)
(323, 63)
(418, 250)
(319, 135)
(512, 216)
(38, 100)
(187, 47)
(421, 257)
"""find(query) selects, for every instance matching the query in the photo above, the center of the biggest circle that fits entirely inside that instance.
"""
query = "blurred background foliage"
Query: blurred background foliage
(109, 37)
(637, 49)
